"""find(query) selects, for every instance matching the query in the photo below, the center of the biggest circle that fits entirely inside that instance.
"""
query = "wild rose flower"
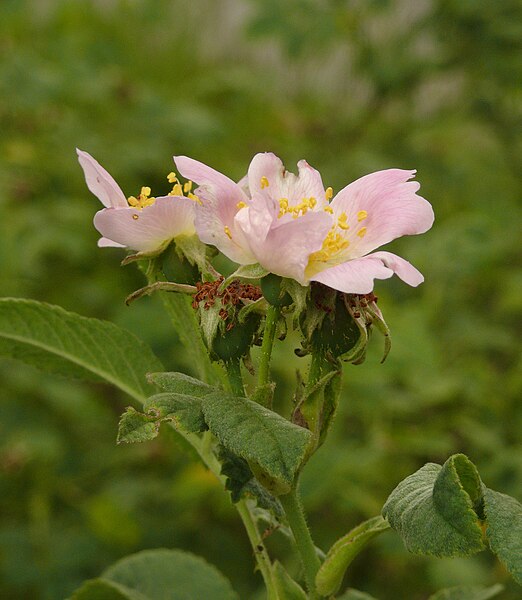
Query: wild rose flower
(289, 226)
(142, 223)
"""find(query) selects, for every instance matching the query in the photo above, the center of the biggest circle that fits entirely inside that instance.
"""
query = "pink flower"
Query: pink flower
(144, 223)
(288, 225)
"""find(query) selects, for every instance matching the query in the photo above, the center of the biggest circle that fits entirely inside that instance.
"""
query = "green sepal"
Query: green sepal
(330, 576)
(465, 592)
(273, 446)
(255, 271)
(433, 510)
(300, 297)
(177, 266)
(504, 530)
(286, 587)
(274, 292)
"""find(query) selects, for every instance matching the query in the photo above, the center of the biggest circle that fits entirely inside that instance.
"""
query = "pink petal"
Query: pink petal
(402, 268)
(391, 206)
(354, 276)
(154, 226)
(285, 250)
(215, 225)
(106, 243)
(100, 182)
(206, 176)
(266, 168)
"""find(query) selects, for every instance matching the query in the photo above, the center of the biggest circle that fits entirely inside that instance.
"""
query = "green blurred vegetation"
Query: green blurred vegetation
(352, 86)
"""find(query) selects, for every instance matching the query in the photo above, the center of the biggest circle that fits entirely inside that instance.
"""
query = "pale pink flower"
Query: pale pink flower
(145, 224)
(288, 225)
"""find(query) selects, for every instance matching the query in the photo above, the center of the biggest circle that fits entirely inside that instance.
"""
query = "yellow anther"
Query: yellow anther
(171, 177)
(241, 205)
(328, 193)
(361, 215)
(312, 202)
(192, 196)
(145, 191)
(328, 209)
(133, 201)
(341, 221)
(177, 190)
(264, 182)
(362, 232)
(135, 216)
(142, 200)
(187, 187)
(227, 231)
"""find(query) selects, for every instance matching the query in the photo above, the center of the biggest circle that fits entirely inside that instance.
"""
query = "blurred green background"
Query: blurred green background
(352, 86)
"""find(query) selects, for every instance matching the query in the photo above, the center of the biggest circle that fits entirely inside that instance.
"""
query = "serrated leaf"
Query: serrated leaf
(474, 592)
(183, 410)
(341, 554)
(136, 427)
(257, 434)
(180, 384)
(68, 344)
(165, 574)
(504, 530)
(433, 513)
(286, 587)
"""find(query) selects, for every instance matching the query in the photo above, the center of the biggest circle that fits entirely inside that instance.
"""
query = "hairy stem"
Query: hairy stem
(305, 546)
(272, 317)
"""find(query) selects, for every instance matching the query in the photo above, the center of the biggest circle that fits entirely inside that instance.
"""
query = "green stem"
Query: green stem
(235, 380)
(305, 545)
(203, 448)
(272, 316)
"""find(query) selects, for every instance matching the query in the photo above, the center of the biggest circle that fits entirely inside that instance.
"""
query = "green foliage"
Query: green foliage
(183, 410)
(153, 574)
(137, 427)
(330, 576)
(257, 434)
(367, 86)
(504, 530)
(468, 593)
(180, 383)
(432, 509)
(58, 341)
(287, 588)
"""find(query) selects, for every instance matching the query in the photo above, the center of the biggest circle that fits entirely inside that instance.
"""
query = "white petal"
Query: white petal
(100, 182)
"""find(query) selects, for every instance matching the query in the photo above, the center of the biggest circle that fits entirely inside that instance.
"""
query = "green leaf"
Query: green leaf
(433, 509)
(504, 530)
(99, 589)
(155, 574)
(62, 342)
(467, 593)
(341, 554)
(257, 434)
(136, 427)
(255, 271)
(180, 384)
(352, 594)
(185, 411)
(287, 588)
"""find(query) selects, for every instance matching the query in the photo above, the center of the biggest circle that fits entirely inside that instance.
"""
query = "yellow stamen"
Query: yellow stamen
(328, 193)
(171, 177)
(264, 182)
(328, 209)
(333, 244)
(133, 201)
(362, 232)
(187, 187)
(241, 205)
(361, 215)
(227, 231)
(145, 191)
(192, 196)
(177, 190)
(341, 221)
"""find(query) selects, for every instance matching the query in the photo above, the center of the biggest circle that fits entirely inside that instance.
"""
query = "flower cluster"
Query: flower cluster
(289, 224)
